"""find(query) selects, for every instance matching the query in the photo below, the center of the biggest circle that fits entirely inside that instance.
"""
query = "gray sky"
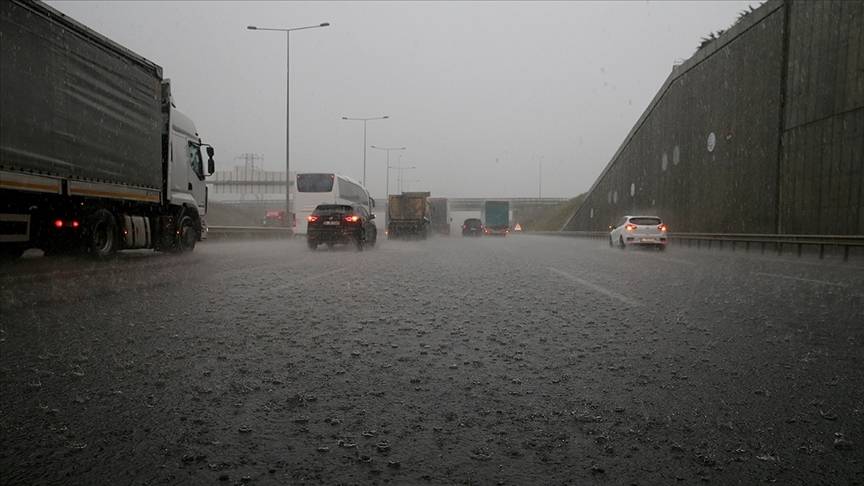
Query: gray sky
(477, 91)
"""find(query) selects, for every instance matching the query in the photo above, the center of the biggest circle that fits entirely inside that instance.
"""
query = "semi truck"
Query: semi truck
(408, 215)
(440, 215)
(496, 217)
(94, 155)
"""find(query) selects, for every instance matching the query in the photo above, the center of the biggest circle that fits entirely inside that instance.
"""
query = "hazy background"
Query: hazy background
(478, 92)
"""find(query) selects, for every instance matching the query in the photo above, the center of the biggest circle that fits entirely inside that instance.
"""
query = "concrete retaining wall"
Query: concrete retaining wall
(759, 132)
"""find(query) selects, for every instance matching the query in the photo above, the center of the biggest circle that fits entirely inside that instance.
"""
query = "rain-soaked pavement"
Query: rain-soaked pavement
(523, 360)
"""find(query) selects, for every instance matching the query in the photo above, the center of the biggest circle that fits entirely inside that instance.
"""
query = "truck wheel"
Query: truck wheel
(187, 235)
(102, 238)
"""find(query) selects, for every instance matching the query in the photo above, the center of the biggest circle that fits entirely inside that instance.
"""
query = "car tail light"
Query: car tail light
(58, 223)
(352, 219)
(663, 228)
(75, 224)
(312, 218)
(630, 227)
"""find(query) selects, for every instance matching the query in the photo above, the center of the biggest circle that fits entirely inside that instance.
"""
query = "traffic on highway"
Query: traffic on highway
(563, 289)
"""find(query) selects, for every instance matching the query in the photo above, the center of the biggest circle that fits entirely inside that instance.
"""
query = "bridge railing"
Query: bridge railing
(776, 243)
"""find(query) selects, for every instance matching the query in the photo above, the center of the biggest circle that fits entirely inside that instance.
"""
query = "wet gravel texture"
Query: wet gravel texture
(519, 360)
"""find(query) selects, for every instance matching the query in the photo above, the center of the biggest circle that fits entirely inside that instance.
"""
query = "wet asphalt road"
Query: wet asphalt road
(525, 360)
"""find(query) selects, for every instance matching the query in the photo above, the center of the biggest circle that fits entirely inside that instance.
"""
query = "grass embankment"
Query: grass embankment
(551, 218)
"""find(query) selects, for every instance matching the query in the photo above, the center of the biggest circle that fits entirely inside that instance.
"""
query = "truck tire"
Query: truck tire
(187, 235)
(102, 238)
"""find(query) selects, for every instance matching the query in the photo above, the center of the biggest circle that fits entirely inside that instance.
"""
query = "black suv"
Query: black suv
(341, 223)
(472, 227)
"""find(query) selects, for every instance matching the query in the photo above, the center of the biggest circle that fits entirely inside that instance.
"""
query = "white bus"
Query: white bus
(312, 189)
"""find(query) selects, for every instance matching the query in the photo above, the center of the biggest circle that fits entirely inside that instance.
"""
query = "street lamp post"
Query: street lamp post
(388, 150)
(288, 213)
(364, 120)
(540, 178)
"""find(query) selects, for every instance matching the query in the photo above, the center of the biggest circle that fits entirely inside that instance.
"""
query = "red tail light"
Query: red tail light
(352, 219)
(75, 224)
(663, 228)
(312, 218)
(630, 227)
(58, 223)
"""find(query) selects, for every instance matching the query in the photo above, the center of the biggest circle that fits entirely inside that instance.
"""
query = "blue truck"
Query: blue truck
(496, 217)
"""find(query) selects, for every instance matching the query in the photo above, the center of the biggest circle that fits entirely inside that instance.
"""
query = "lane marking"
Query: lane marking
(800, 279)
(597, 288)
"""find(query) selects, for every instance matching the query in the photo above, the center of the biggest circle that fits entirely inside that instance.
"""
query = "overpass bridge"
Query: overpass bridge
(251, 186)
(245, 208)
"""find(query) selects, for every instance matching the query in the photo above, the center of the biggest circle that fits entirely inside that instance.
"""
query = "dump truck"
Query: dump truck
(94, 155)
(496, 217)
(408, 215)
(440, 215)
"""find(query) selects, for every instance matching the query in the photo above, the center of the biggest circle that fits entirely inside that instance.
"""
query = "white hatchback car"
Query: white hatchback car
(639, 230)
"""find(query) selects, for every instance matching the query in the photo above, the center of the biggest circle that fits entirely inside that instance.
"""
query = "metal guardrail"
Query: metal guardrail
(777, 242)
(249, 231)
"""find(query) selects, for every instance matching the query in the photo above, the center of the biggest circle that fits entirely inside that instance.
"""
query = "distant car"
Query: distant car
(639, 230)
(341, 223)
(274, 218)
(472, 227)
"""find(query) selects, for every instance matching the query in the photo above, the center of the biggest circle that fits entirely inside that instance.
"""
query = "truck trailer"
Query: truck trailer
(440, 215)
(408, 215)
(496, 217)
(94, 156)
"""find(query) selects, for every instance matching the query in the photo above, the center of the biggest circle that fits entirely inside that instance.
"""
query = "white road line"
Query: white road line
(597, 288)
(800, 279)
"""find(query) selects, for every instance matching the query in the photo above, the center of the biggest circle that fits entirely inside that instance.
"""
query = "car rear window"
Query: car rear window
(645, 221)
(472, 222)
(333, 208)
(315, 182)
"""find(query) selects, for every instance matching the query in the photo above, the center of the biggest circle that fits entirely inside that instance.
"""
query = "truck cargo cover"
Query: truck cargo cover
(408, 206)
(74, 104)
